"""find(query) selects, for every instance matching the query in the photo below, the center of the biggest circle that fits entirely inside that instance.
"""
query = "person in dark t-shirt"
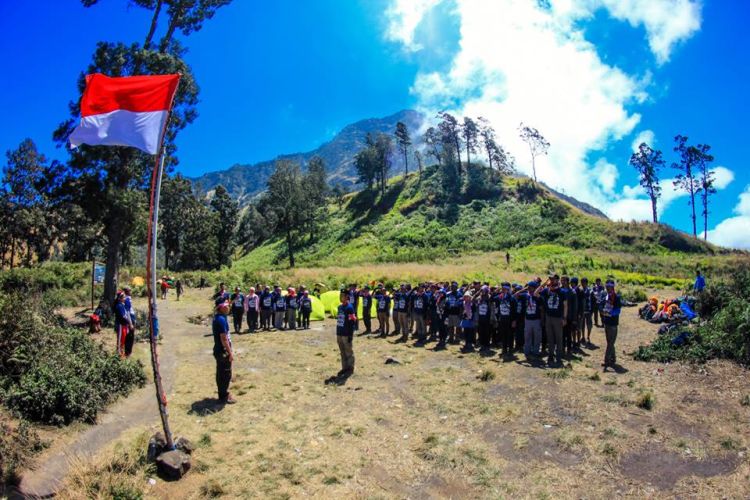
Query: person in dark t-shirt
(345, 321)
(223, 352)
(610, 310)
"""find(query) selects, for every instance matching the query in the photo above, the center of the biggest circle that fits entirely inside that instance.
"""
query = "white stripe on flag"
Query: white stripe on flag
(121, 128)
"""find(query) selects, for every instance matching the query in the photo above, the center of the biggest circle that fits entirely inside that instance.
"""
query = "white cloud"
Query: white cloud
(734, 232)
(646, 136)
(722, 177)
(519, 62)
(606, 175)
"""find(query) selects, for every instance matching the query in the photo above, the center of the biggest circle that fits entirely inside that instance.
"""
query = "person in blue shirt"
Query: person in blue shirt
(305, 305)
(484, 319)
(266, 308)
(588, 304)
(419, 314)
(366, 298)
(700, 282)
(453, 310)
(401, 313)
(610, 309)
(123, 327)
(345, 320)
(238, 308)
(519, 335)
(223, 353)
(505, 305)
(533, 305)
(556, 313)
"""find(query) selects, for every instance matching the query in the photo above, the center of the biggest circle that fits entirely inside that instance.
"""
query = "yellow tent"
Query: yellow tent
(138, 281)
(330, 301)
(373, 308)
(318, 310)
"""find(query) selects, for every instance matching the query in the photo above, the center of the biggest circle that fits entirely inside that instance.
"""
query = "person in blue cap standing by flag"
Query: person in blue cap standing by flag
(223, 352)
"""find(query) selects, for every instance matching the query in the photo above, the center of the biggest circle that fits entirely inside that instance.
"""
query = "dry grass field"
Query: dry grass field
(438, 425)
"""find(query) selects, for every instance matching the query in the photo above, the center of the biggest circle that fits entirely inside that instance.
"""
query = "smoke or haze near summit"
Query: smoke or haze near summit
(595, 76)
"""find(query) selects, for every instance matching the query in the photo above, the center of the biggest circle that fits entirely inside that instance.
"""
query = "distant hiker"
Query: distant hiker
(345, 319)
(123, 327)
(238, 308)
(588, 307)
(292, 304)
(366, 299)
(507, 258)
(383, 306)
(178, 288)
(252, 309)
(223, 353)
(266, 308)
(202, 283)
(305, 306)
(279, 308)
(611, 319)
(700, 282)
(555, 314)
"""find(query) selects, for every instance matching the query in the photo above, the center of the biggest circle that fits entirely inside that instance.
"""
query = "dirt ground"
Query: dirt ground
(442, 424)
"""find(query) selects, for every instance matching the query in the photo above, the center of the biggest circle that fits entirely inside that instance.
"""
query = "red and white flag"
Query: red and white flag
(125, 111)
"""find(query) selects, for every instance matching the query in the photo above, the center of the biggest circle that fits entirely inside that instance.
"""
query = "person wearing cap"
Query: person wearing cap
(484, 318)
(345, 319)
(419, 314)
(610, 309)
(223, 353)
(366, 299)
(533, 305)
(252, 309)
(305, 307)
(266, 308)
(123, 327)
(505, 305)
(292, 303)
(237, 300)
(571, 313)
(588, 305)
(555, 317)
(279, 308)
(383, 306)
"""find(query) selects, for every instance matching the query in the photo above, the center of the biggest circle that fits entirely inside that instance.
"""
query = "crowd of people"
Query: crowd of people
(552, 318)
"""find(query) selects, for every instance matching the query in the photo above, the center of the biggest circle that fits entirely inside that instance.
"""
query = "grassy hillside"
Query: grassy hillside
(543, 232)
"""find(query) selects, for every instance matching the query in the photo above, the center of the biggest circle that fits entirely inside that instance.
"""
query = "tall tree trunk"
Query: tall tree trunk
(458, 154)
(692, 205)
(289, 246)
(406, 164)
(489, 158)
(533, 167)
(705, 217)
(152, 29)
(468, 157)
(12, 252)
(114, 247)
(653, 208)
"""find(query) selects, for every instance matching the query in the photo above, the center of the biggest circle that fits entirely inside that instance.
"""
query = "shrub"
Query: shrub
(17, 443)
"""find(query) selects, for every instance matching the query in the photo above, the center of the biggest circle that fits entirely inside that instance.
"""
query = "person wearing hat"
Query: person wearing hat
(610, 309)
(123, 326)
(252, 309)
(238, 308)
(292, 303)
(383, 306)
(305, 307)
(223, 353)
(366, 298)
(555, 316)
(532, 311)
(266, 308)
(345, 319)
(505, 304)
(279, 308)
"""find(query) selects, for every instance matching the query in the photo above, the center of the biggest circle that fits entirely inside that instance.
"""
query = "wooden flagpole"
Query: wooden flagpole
(153, 320)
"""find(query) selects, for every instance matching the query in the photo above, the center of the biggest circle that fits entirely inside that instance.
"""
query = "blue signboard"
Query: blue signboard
(99, 273)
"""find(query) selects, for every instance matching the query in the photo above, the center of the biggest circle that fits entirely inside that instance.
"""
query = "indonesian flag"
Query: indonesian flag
(125, 111)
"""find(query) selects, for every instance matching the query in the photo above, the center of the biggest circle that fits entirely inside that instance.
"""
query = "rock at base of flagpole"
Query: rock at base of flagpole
(173, 464)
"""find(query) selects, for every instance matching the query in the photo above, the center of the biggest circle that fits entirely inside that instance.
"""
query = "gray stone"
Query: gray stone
(185, 445)
(392, 361)
(173, 464)
(156, 445)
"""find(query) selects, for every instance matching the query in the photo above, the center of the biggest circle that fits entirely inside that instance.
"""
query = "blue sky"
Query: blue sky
(283, 76)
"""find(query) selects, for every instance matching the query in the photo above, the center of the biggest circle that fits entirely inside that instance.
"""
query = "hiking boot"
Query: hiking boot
(229, 400)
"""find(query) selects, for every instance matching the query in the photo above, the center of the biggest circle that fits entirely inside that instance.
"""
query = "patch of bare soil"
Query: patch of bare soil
(663, 468)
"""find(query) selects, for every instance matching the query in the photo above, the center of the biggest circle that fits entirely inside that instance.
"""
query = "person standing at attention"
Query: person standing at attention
(223, 353)
(252, 307)
(345, 320)
(611, 319)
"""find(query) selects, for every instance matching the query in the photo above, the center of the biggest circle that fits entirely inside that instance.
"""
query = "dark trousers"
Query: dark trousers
(434, 326)
(610, 356)
(497, 337)
(306, 319)
(470, 336)
(252, 320)
(568, 330)
(237, 314)
(596, 315)
(265, 318)
(223, 374)
(520, 335)
(507, 334)
(368, 323)
(129, 339)
(484, 328)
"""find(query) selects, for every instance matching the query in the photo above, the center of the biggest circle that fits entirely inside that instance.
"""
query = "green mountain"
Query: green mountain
(413, 223)
(244, 181)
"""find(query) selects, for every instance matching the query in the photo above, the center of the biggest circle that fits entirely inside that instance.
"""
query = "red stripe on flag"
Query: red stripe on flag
(104, 94)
